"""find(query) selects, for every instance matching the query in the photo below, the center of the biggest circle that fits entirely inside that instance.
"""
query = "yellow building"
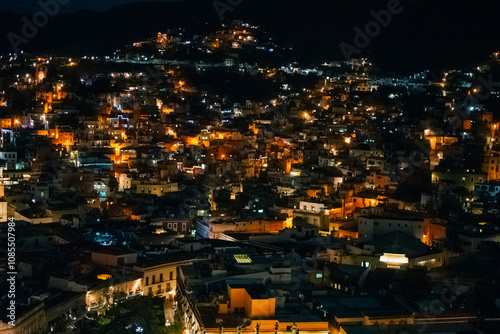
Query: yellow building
(246, 309)
(192, 141)
(491, 166)
(160, 278)
(10, 122)
(459, 178)
(366, 199)
(370, 319)
(260, 307)
(59, 137)
(437, 142)
(255, 303)
(154, 188)
(272, 326)
(34, 321)
(102, 295)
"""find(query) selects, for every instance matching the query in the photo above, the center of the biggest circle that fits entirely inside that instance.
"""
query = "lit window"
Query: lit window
(242, 258)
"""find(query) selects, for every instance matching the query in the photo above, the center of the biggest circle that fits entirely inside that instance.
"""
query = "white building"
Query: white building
(125, 182)
(372, 226)
(10, 157)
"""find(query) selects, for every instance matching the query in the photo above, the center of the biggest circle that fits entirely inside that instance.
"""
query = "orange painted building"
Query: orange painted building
(360, 201)
(59, 137)
(10, 122)
(254, 304)
(192, 140)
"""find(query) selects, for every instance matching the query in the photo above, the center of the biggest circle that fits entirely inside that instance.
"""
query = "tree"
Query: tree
(178, 326)
(130, 314)
(299, 221)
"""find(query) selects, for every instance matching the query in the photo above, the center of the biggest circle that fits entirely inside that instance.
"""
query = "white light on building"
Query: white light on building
(394, 258)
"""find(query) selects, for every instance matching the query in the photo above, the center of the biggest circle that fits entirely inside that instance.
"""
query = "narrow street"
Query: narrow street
(169, 312)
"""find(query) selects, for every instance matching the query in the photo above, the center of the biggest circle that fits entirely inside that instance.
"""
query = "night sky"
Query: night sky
(32, 6)
(427, 34)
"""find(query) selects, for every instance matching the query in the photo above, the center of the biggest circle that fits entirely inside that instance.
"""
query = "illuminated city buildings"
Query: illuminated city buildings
(248, 197)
